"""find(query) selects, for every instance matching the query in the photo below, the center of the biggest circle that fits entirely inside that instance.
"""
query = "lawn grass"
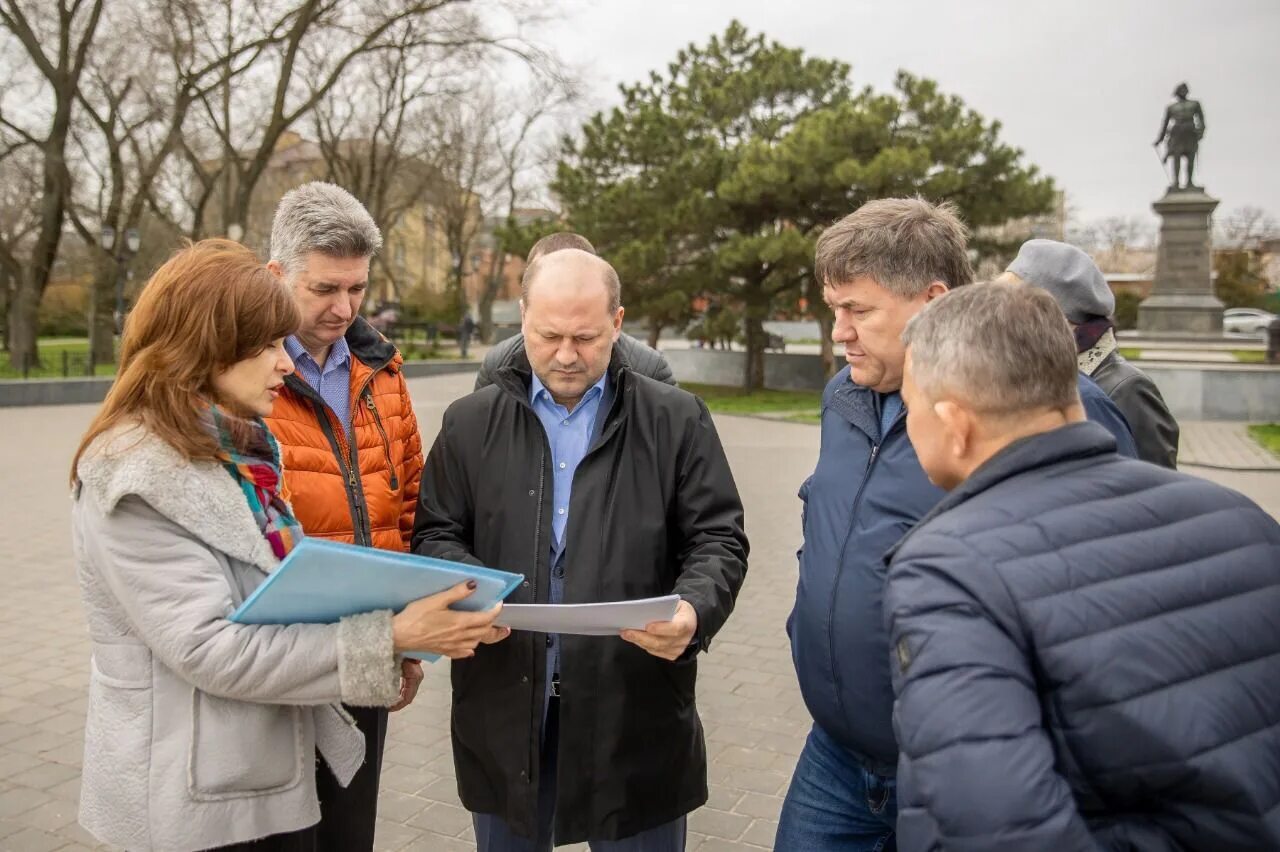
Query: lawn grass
(1130, 354)
(1249, 356)
(734, 400)
(1268, 435)
(51, 364)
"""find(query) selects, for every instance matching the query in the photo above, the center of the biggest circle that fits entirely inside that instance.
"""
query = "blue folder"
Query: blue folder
(320, 581)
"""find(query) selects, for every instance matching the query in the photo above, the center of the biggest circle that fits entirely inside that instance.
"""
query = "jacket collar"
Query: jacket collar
(199, 496)
(370, 350)
(369, 346)
(857, 404)
(1075, 442)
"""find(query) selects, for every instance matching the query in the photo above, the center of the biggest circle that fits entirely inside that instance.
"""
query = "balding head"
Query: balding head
(570, 315)
(573, 267)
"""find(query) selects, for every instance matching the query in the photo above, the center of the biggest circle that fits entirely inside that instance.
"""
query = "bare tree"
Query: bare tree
(1246, 227)
(56, 37)
(321, 42)
(19, 219)
(135, 99)
(463, 159)
(524, 143)
(366, 130)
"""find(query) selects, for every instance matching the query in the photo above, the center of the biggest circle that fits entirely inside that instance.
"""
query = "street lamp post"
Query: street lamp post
(132, 242)
(122, 252)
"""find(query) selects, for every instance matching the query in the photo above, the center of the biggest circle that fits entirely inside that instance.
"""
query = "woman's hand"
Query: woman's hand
(429, 625)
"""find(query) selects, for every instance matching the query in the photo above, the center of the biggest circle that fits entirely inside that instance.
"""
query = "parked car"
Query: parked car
(1246, 320)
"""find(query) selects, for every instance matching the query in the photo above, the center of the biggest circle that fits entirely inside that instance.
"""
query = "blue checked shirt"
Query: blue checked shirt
(332, 382)
(569, 434)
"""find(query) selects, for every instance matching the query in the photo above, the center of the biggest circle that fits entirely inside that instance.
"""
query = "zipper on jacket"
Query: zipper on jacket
(364, 524)
(344, 455)
(386, 442)
(835, 588)
(536, 709)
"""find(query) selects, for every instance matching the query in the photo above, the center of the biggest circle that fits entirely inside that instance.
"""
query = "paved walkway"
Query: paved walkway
(1223, 445)
(747, 694)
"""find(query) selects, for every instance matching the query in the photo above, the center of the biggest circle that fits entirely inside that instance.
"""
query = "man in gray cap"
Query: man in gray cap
(1079, 288)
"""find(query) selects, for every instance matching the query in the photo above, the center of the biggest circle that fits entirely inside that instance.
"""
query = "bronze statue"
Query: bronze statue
(1183, 128)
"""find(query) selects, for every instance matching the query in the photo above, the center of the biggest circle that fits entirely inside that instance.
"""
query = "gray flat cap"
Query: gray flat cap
(1070, 276)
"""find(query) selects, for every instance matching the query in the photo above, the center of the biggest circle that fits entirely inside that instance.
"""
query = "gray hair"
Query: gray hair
(321, 217)
(1001, 348)
(903, 244)
(610, 277)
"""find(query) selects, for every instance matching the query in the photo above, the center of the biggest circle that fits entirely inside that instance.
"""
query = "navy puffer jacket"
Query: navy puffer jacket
(1086, 655)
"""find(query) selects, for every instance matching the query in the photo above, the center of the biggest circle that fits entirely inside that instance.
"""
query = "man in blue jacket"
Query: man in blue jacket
(881, 265)
(1086, 649)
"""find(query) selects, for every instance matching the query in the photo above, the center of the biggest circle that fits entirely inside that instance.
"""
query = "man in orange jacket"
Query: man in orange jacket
(348, 437)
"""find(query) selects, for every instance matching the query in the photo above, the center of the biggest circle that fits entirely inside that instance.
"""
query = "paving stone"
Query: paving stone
(44, 776)
(762, 832)
(723, 824)
(441, 818)
(18, 800)
(392, 837)
(51, 816)
(759, 805)
(399, 807)
(33, 840)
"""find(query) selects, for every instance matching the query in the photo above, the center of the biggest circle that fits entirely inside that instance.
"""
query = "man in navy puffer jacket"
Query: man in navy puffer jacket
(1086, 649)
(881, 264)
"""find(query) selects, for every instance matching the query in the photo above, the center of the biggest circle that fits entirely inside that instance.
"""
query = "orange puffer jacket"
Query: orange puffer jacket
(365, 495)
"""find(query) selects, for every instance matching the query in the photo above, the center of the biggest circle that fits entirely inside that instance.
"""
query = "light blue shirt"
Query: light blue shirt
(332, 381)
(569, 435)
(890, 408)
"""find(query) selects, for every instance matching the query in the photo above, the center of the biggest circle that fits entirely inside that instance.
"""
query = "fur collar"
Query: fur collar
(201, 497)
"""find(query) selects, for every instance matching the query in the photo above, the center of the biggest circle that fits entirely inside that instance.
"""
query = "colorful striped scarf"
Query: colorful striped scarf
(249, 452)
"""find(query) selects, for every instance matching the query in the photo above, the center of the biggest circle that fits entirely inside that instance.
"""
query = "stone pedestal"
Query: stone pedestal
(1182, 299)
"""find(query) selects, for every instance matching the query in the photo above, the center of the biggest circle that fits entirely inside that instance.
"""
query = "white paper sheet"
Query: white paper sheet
(597, 619)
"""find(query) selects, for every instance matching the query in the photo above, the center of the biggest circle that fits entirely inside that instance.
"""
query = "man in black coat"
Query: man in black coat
(1085, 648)
(1081, 290)
(598, 485)
(642, 359)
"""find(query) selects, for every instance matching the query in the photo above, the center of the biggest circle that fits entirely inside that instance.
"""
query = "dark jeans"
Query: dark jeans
(494, 835)
(347, 815)
(834, 803)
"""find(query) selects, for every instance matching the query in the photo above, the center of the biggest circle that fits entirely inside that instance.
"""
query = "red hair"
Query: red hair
(212, 304)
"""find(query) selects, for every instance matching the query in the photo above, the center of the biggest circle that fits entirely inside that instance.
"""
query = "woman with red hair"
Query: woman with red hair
(203, 733)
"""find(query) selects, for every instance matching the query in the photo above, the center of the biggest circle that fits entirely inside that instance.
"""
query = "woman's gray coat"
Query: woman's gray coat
(202, 732)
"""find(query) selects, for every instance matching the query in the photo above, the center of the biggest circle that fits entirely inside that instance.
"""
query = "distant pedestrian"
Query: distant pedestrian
(465, 329)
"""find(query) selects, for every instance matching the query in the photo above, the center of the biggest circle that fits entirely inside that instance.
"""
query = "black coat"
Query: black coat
(1086, 654)
(1154, 429)
(654, 511)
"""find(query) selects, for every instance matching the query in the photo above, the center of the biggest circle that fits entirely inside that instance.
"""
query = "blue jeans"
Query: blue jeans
(493, 834)
(836, 804)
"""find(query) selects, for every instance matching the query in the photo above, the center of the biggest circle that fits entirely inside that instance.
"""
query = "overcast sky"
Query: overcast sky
(1079, 86)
